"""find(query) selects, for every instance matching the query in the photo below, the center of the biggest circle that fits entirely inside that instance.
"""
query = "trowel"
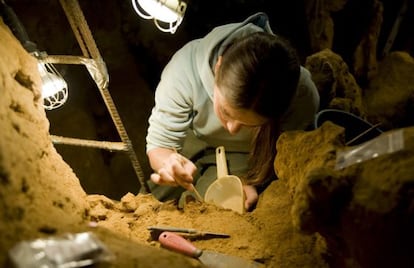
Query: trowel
(209, 258)
(227, 190)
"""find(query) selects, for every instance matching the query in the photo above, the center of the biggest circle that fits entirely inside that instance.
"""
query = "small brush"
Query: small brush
(193, 189)
(199, 197)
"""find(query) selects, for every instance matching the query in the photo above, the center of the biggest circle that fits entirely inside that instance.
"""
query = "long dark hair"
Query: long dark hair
(260, 72)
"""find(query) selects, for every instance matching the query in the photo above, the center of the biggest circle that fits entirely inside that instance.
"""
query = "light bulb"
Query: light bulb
(157, 10)
(170, 12)
(54, 87)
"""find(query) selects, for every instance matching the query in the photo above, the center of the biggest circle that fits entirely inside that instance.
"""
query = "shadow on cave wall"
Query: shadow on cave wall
(352, 22)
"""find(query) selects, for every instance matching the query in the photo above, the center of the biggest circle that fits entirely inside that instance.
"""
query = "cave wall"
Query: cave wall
(27, 156)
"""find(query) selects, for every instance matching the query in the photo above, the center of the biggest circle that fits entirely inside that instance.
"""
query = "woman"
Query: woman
(239, 87)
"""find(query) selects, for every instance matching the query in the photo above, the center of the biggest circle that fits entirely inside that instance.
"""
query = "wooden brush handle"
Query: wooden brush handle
(221, 162)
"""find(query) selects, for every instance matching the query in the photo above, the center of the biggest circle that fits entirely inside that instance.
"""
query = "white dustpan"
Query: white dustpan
(227, 190)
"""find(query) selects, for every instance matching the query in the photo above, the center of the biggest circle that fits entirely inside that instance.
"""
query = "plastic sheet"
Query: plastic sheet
(384, 144)
(68, 251)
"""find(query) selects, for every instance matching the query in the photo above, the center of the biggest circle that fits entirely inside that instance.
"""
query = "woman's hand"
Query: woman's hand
(251, 196)
(174, 170)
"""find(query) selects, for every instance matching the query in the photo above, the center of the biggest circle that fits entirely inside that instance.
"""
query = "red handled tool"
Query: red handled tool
(211, 259)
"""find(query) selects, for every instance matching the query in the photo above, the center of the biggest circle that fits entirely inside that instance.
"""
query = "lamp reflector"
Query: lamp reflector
(169, 12)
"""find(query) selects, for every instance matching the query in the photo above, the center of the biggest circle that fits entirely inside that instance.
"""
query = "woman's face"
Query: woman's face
(234, 119)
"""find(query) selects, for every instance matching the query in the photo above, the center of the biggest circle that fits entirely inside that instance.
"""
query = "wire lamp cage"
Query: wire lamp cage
(167, 14)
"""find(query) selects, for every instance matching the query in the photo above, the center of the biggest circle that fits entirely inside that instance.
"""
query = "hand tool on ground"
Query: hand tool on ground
(227, 190)
(209, 258)
(155, 232)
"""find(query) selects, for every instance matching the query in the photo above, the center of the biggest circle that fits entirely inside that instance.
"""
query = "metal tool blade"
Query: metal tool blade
(219, 260)
(155, 232)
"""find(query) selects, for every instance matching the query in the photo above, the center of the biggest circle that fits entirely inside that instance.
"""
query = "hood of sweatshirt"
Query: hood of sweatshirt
(214, 43)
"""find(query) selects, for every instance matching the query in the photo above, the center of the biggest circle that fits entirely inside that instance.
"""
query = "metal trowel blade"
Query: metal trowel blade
(219, 260)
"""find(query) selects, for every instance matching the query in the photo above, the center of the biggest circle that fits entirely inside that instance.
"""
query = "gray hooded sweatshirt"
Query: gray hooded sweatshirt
(184, 95)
